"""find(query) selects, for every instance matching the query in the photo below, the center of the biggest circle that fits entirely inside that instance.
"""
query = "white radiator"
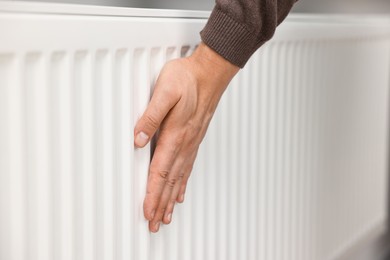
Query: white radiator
(294, 166)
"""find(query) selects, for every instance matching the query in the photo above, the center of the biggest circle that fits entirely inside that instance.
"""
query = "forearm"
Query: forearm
(236, 29)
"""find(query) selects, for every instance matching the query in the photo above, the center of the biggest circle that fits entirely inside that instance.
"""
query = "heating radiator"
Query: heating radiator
(294, 165)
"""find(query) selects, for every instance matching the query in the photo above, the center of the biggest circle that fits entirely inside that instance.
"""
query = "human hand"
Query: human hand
(185, 97)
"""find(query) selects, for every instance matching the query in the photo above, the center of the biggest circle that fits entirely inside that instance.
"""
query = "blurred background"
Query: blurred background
(316, 6)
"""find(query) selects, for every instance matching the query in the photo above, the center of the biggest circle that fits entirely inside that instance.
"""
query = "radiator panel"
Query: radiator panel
(294, 165)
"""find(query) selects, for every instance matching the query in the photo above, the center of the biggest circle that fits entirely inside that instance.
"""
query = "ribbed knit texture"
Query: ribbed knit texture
(237, 28)
(228, 38)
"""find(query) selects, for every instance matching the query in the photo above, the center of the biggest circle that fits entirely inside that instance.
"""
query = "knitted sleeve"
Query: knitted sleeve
(237, 28)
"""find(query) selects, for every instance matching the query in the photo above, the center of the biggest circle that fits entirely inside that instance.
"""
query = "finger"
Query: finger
(161, 103)
(167, 218)
(154, 223)
(154, 226)
(172, 181)
(182, 191)
(160, 168)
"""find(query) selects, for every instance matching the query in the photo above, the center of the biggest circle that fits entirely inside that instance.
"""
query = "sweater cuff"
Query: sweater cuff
(229, 38)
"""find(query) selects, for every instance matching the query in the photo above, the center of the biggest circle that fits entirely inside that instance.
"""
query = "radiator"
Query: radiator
(294, 165)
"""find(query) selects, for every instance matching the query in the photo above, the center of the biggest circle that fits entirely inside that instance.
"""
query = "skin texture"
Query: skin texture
(185, 97)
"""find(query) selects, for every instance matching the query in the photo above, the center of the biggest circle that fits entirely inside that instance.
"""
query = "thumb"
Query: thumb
(161, 103)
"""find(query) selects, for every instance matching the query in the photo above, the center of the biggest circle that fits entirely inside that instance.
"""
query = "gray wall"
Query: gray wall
(343, 6)
(316, 6)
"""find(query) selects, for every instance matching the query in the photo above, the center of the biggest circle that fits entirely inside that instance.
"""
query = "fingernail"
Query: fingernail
(152, 214)
(169, 217)
(157, 226)
(141, 139)
(181, 198)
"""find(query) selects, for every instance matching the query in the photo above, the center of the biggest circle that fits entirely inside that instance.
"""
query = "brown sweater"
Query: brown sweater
(237, 28)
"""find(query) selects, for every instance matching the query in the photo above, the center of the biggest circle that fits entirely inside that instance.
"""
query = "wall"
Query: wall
(315, 6)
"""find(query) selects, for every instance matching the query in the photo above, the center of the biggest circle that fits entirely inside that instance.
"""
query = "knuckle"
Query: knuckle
(181, 175)
(162, 174)
(171, 182)
(151, 121)
(162, 210)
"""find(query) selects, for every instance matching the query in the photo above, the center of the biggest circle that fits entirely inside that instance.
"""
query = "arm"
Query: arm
(187, 93)
(237, 28)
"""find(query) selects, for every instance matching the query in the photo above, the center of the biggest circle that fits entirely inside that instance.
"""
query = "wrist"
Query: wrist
(212, 65)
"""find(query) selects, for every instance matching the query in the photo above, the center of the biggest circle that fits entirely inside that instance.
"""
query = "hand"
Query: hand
(185, 97)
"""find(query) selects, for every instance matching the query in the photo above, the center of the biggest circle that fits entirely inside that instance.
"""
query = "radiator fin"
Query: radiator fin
(6, 62)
